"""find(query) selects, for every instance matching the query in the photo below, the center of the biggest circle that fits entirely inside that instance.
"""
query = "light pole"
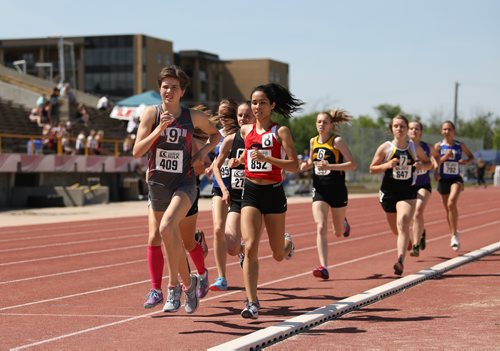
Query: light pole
(455, 113)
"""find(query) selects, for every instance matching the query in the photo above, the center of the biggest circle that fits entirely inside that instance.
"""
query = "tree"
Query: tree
(482, 127)
(303, 129)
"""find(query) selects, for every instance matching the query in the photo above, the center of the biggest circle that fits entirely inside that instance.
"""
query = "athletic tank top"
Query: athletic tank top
(267, 143)
(404, 174)
(224, 170)
(170, 154)
(450, 169)
(326, 151)
(423, 176)
(237, 173)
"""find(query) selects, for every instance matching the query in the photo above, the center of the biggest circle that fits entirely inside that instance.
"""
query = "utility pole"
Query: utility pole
(455, 113)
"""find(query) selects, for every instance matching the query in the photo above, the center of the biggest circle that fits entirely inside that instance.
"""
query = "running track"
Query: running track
(81, 286)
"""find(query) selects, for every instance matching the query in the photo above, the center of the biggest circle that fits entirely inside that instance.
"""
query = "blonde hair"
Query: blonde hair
(338, 116)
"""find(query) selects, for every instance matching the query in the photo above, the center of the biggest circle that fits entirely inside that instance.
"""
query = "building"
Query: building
(241, 76)
(123, 65)
(117, 66)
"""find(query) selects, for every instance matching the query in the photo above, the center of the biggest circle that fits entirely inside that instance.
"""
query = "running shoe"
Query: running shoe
(347, 228)
(173, 299)
(455, 241)
(199, 236)
(251, 310)
(153, 298)
(422, 241)
(202, 289)
(321, 272)
(398, 268)
(415, 252)
(191, 299)
(219, 285)
(288, 237)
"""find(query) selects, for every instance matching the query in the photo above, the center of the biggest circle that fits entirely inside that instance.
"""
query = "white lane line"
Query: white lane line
(73, 255)
(102, 326)
(61, 235)
(121, 264)
(89, 241)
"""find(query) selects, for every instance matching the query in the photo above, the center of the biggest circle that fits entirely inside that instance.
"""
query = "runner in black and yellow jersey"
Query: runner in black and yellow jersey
(330, 158)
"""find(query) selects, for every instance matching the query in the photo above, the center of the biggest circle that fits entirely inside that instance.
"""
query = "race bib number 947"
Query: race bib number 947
(170, 161)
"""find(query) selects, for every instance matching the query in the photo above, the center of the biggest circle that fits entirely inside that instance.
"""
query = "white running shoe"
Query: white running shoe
(455, 241)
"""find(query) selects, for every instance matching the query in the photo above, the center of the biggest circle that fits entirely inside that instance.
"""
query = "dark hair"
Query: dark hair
(449, 122)
(418, 122)
(285, 102)
(176, 72)
(398, 116)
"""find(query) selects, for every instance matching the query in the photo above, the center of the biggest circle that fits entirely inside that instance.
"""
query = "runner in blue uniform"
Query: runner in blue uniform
(424, 188)
(450, 183)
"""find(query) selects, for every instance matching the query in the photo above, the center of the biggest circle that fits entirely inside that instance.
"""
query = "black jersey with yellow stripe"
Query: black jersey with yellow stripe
(404, 174)
(326, 151)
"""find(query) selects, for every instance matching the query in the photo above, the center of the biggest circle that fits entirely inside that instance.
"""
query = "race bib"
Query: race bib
(224, 170)
(321, 172)
(170, 161)
(451, 168)
(401, 172)
(421, 172)
(237, 178)
(258, 166)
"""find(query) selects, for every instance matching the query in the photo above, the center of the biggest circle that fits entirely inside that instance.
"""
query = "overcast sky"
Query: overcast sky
(353, 54)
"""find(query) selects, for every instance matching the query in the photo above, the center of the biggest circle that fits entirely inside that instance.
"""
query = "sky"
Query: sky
(352, 54)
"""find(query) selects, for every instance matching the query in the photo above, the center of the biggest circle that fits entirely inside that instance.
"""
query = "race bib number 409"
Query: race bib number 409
(170, 161)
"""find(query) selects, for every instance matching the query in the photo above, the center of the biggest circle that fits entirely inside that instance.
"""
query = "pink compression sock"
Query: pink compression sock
(155, 264)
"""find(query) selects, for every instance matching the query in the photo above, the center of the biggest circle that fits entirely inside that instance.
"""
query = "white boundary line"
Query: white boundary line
(276, 333)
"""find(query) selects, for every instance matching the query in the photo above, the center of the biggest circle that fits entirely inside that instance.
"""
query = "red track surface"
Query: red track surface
(81, 285)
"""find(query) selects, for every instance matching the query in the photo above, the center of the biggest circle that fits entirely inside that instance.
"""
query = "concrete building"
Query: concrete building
(123, 65)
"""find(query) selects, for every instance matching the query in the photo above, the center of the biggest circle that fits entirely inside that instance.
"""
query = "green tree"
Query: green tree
(482, 126)
(303, 129)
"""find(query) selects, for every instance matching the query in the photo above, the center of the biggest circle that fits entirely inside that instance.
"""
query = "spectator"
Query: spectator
(480, 170)
(54, 104)
(133, 124)
(92, 143)
(81, 115)
(67, 93)
(68, 149)
(40, 102)
(103, 103)
(99, 138)
(46, 113)
(128, 144)
(80, 143)
(35, 116)
(49, 139)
